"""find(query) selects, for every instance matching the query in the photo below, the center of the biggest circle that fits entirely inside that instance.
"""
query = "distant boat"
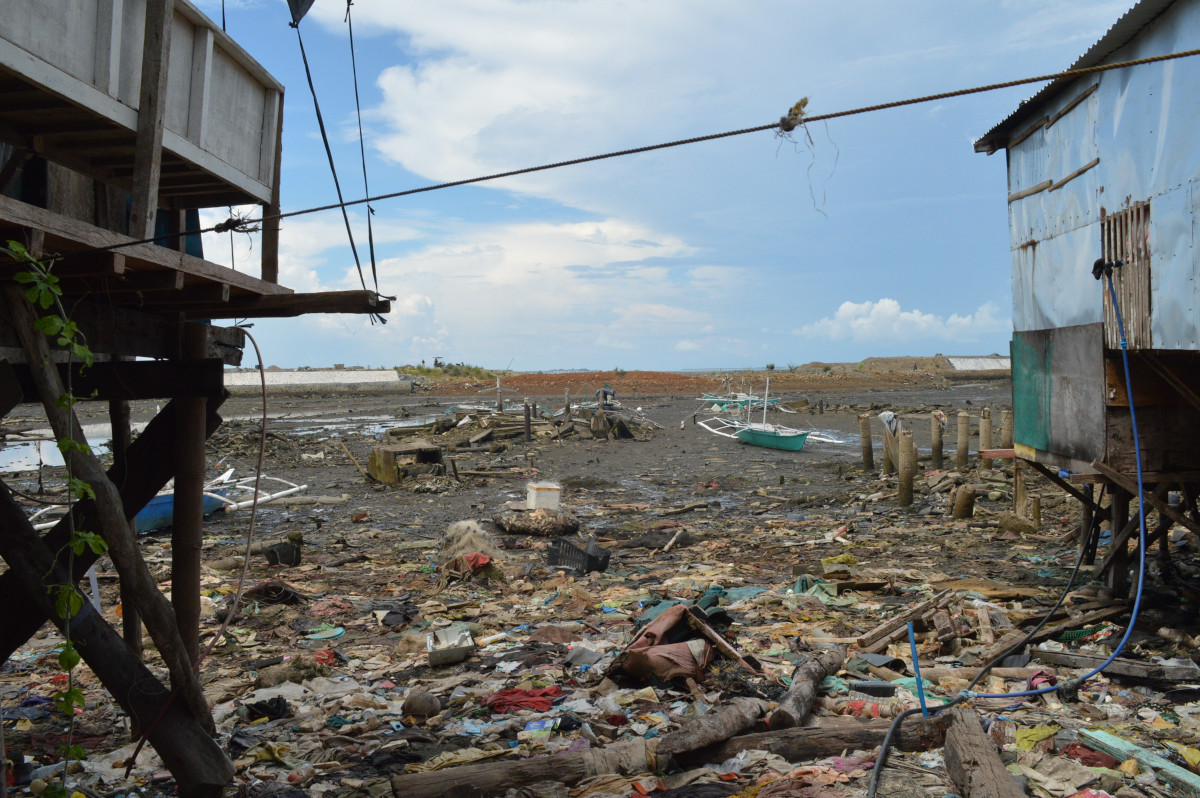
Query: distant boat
(770, 436)
(773, 436)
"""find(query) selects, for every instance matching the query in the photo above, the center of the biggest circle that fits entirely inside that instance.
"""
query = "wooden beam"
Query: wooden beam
(271, 210)
(130, 284)
(131, 380)
(1042, 469)
(972, 761)
(187, 536)
(156, 48)
(1130, 485)
(203, 295)
(292, 305)
(1118, 552)
(65, 235)
(115, 330)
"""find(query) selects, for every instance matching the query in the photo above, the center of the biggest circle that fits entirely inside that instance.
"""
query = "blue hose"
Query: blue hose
(912, 643)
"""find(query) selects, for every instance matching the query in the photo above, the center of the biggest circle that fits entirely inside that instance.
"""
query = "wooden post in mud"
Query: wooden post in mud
(1006, 431)
(964, 440)
(868, 448)
(935, 432)
(985, 436)
(1018, 489)
(528, 422)
(964, 501)
(567, 404)
(908, 466)
(1035, 510)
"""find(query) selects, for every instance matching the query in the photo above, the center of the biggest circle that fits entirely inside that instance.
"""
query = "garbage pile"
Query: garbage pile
(744, 642)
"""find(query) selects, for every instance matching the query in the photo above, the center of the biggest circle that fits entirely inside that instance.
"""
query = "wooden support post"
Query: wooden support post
(868, 448)
(528, 422)
(935, 432)
(271, 210)
(985, 436)
(964, 501)
(187, 536)
(796, 705)
(114, 525)
(198, 764)
(964, 441)
(1087, 535)
(1019, 496)
(972, 761)
(122, 435)
(147, 158)
(1035, 510)
(1006, 431)
(908, 466)
(1118, 555)
(566, 404)
(151, 465)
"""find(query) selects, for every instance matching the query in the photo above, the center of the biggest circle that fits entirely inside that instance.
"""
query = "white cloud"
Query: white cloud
(883, 321)
(687, 346)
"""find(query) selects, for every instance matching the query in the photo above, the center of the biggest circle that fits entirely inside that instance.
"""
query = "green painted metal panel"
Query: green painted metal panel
(1032, 353)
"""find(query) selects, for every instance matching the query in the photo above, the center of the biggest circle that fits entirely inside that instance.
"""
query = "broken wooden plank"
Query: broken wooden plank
(972, 761)
(879, 637)
(1154, 672)
(1012, 638)
(1183, 780)
(987, 636)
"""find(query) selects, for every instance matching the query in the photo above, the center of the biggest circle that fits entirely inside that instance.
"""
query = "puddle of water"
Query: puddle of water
(26, 456)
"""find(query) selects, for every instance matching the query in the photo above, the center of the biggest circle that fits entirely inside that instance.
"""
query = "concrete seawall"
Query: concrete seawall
(301, 381)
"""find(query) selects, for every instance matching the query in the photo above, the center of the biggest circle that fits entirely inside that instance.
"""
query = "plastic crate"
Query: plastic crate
(567, 554)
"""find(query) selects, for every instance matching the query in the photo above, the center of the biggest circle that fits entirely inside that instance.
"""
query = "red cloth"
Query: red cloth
(478, 561)
(539, 700)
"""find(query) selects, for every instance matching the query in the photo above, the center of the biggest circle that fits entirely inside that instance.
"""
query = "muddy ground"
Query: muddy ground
(753, 517)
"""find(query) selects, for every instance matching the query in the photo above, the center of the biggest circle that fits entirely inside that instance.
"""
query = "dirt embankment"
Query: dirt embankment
(873, 374)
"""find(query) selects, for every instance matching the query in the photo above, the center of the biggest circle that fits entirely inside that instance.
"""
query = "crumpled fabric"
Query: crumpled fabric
(796, 788)
(1030, 736)
(539, 699)
(1089, 758)
(648, 657)
(643, 783)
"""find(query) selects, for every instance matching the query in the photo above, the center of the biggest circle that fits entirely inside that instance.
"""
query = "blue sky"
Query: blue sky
(884, 235)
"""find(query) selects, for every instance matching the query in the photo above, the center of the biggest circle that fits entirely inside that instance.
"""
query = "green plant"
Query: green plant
(620, 372)
(793, 367)
(41, 289)
(770, 367)
(826, 368)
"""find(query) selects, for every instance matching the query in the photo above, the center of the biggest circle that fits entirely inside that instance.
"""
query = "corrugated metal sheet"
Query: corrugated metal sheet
(984, 363)
(1121, 33)
(1107, 147)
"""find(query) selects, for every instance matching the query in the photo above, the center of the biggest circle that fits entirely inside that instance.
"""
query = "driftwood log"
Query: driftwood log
(795, 706)
(625, 758)
(829, 737)
(494, 778)
(972, 760)
(737, 716)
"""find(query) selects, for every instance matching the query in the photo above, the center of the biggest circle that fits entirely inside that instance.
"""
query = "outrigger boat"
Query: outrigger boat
(770, 436)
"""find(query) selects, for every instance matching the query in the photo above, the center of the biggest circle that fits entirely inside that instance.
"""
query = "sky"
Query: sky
(876, 235)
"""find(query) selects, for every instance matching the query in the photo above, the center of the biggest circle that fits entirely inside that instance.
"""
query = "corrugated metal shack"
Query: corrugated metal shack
(1107, 167)
(118, 120)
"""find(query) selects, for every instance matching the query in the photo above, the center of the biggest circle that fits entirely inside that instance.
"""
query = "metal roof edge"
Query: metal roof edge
(1123, 31)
